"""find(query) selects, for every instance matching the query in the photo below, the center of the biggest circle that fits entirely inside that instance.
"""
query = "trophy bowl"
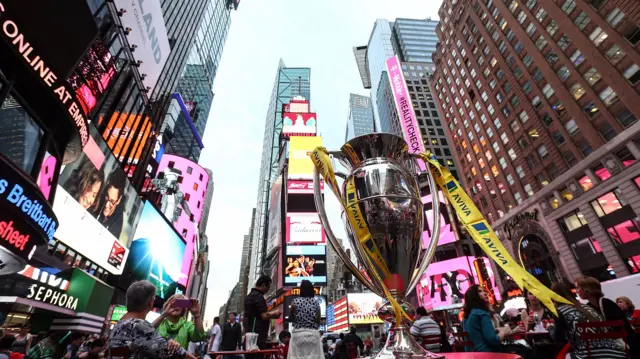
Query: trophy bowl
(381, 199)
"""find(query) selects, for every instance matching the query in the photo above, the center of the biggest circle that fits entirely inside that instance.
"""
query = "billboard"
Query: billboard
(304, 228)
(275, 219)
(363, 308)
(156, 254)
(447, 234)
(97, 207)
(299, 124)
(305, 262)
(147, 32)
(300, 165)
(444, 283)
(321, 299)
(119, 135)
(337, 318)
(302, 187)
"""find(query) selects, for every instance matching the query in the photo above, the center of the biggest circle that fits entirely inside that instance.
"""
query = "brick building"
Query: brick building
(541, 98)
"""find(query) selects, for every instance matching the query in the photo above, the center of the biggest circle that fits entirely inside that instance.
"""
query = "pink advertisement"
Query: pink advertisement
(444, 283)
(304, 228)
(302, 187)
(446, 232)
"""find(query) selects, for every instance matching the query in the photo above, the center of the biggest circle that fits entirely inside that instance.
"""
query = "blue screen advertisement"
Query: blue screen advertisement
(156, 254)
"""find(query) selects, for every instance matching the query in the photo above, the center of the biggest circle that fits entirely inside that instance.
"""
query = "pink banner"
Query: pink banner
(405, 108)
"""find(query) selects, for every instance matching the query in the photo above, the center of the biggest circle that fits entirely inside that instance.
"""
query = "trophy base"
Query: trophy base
(402, 345)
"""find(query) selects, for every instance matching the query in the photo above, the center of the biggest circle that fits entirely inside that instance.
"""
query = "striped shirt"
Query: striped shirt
(423, 327)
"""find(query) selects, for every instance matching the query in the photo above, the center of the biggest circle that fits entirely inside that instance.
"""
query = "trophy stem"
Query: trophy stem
(400, 344)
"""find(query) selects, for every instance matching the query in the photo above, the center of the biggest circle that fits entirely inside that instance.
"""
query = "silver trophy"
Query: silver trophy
(385, 179)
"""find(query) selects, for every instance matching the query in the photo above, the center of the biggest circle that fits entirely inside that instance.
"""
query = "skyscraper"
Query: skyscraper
(289, 82)
(415, 40)
(541, 100)
(360, 121)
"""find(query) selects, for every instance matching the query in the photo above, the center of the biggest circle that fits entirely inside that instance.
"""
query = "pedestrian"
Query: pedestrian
(22, 344)
(305, 317)
(5, 346)
(139, 336)
(257, 317)
(73, 348)
(627, 307)
(283, 347)
(172, 323)
(425, 326)
(231, 336)
(216, 336)
(350, 344)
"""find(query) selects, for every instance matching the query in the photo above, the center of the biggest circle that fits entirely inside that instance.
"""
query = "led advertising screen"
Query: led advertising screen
(304, 228)
(447, 234)
(148, 34)
(305, 262)
(300, 165)
(299, 124)
(274, 234)
(156, 254)
(119, 135)
(321, 299)
(363, 308)
(97, 207)
(444, 283)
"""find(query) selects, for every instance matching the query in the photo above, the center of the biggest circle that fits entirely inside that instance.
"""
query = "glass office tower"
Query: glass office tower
(360, 120)
(290, 82)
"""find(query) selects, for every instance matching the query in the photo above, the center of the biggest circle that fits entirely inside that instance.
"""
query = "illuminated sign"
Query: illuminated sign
(300, 165)
(304, 228)
(118, 312)
(302, 187)
(50, 289)
(299, 124)
(363, 308)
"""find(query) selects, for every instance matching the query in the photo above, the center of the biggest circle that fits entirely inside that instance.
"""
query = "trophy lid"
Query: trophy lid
(361, 148)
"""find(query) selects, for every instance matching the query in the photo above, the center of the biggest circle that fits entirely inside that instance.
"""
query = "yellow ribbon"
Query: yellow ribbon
(481, 232)
(321, 161)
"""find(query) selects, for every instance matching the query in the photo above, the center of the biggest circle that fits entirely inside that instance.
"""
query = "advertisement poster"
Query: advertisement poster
(337, 318)
(149, 34)
(302, 187)
(305, 262)
(120, 131)
(299, 124)
(300, 165)
(275, 220)
(97, 207)
(304, 228)
(444, 283)
(363, 308)
(156, 254)
(321, 299)
(446, 231)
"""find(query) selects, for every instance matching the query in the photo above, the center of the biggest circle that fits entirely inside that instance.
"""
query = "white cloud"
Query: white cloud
(315, 34)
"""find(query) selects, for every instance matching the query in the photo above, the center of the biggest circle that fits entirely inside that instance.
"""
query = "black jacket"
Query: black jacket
(231, 337)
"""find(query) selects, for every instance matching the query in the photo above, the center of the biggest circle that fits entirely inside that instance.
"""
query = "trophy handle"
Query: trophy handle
(335, 243)
(433, 244)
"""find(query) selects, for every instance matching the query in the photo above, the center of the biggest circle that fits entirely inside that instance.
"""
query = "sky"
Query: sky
(318, 34)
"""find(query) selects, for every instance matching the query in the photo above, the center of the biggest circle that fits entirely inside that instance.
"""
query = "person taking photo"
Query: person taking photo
(172, 323)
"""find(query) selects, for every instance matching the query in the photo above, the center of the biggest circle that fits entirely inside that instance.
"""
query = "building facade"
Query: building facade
(415, 40)
(543, 112)
(360, 121)
(290, 82)
(179, 134)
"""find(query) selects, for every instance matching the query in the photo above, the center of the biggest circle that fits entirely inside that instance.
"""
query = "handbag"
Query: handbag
(619, 341)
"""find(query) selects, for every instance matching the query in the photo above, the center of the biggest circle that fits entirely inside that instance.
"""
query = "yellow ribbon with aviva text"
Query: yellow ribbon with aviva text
(321, 161)
(479, 229)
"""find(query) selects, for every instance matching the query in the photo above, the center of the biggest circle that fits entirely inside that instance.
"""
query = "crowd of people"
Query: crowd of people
(171, 335)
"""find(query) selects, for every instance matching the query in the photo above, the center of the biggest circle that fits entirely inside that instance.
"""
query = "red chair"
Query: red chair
(431, 341)
(612, 329)
(461, 340)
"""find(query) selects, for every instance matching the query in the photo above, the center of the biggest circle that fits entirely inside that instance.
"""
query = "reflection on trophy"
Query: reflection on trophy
(381, 199)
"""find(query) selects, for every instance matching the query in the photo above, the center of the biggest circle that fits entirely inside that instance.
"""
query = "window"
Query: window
(512, 154)
(577, 91)
(577, 58)
(608, 203)
(547, 91)
(522, 141)
(522, 17)
(497, 123)
(537, 75)
(527, 60)
(507, 87)
(557, 138)
(515, 126)
(503, 163)
(523, 117)
(626, 118)
(517, 197)
(591, 109)
(546, 119)
(584, 147)
(510, 179)
(614, 17)
(504, 137)
(570, 158)
(571, 127)
(582, 20)
(541, 14)
(592, 76)
(489, 132)
(515, 101)
(496, 147)
(632, 74)
(532, 161)
(568, 6)
(615, 54)
(536, 102)
(607, 132)
(608, 96)
(564, 42)
(520, 171)
(492, 84)
(552, 57)
(552, 28)
(633, 35)
(598, 36)
(531, 30)
(526, 87)
(542, 151)
(563, 73)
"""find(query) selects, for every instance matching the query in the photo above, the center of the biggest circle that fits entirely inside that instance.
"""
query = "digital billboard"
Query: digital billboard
(363, 308)
(97, 207)
(302, 187)
(337, 316)
(288, 300)
(299, 124)
(305, 262)
(447, 235)
(300, 165)
(119, 135)
(444, 283)
(147, 32)
(304, 228)
(275, 220)
(156, 253)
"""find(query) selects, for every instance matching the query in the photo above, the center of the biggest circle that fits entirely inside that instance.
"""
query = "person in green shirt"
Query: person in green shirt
(172, 323)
